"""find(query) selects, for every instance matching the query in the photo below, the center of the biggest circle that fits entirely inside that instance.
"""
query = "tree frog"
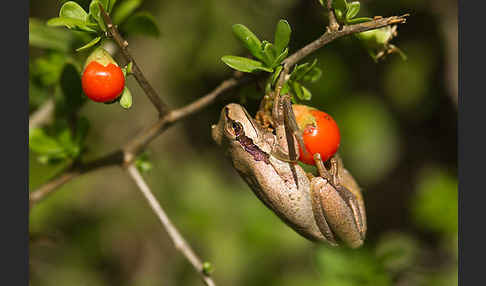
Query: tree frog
(324, 208)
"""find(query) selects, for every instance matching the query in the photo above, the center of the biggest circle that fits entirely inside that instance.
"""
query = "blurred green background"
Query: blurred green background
(399, 139)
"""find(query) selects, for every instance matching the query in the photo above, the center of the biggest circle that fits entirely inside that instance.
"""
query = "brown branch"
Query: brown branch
(132, 148)
(129, 151)
(137, 144)
(50, 186)
(330, 36)
(333, 24)
(179, 241)
(73, 172)
(162, 108)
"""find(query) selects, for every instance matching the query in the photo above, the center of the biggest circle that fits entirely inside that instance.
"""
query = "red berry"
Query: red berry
(319, 131)
(102, 83)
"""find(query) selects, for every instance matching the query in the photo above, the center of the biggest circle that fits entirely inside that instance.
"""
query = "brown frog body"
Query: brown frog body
(313, 207)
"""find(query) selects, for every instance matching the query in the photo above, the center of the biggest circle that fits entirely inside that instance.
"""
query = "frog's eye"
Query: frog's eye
(237, 128)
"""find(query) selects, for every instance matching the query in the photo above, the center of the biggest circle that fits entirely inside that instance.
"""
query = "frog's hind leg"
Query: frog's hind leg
(338, 207)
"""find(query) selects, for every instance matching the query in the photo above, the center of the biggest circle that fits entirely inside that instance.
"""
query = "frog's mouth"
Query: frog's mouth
(246, 142)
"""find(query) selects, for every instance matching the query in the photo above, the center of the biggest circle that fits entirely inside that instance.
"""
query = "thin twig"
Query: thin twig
(162, 108)
(133, 147)
(179, 241)
(112, 159)
(48, 187)
(330, 36)
(42, 115)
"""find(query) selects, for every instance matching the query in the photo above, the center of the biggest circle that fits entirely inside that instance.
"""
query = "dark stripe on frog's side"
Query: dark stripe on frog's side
(253, 149)
(247, 143)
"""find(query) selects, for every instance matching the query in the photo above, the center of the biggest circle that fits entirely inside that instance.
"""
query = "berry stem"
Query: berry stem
(161, 106)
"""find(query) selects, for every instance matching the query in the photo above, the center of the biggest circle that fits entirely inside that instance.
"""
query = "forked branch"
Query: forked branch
(127, 153)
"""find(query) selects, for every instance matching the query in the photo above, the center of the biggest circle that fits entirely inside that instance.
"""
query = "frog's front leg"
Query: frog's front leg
(336, 209)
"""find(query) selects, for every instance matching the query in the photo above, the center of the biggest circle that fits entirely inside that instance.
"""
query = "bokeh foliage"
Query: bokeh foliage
(398, 128)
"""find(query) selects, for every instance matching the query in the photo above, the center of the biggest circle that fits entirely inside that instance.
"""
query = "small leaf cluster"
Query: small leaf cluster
(375, 41)
(59, 141)
(346, 12)
(74, 17)
(268, 56)
(303, 73)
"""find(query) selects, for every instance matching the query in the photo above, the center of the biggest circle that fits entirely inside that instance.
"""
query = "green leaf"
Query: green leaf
(301, 70)
(313, 75)
(126, 99)
(282, 36)
(322, 2)
(89, 44)
(74, 24)
(269, 52)
(249, 40)
(297, 89)
(141, 23)
(340, 5)
(73, 10)
(95, 13)
(244, 64)
(306, 94)
(43, 144)
(45, 37)
(300, 91)
(125, 9)
(276, 74)
(339, 14)
(280, 58)
(359, 20)
(353, 9)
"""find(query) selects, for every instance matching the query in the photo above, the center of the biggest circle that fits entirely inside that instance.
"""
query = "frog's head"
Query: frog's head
(234, 122)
